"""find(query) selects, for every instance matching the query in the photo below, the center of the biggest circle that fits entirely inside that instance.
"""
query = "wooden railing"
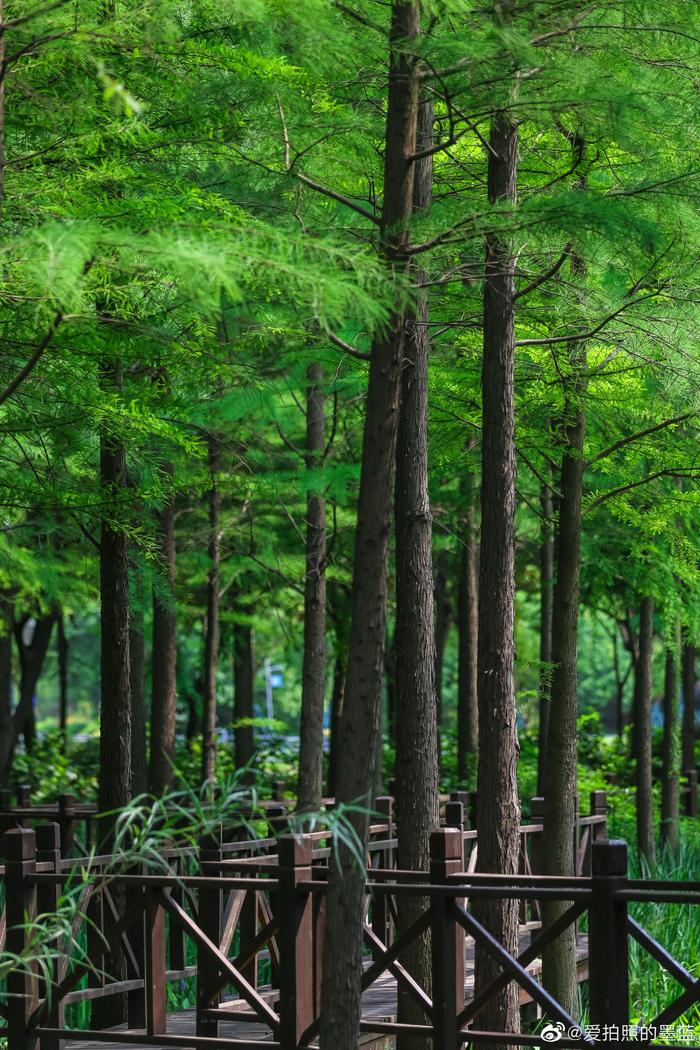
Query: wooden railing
(248, 929)
(77, 820)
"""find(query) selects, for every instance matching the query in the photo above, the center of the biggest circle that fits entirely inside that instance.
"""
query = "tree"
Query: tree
(497, 788)
(340, 996)
(314, 660)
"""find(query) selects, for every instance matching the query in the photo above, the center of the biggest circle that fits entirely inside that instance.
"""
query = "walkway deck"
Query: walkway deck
(378, 1003)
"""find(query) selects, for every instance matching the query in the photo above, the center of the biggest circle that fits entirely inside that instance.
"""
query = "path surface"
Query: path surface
(378, 1002)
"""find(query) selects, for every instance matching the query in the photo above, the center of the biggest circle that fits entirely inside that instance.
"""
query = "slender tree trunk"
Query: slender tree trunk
(443, 617)
(31, 663)
(546, 601)
(416, 771)
(671, 749)
(137, 672)
(342, 970)
(560, 778)
(497, 787)
(194, 698)
(7, 736)
(115, 700)
(620, 682)
(336, 720)
(642, 722)
(164, 655)
(211, 637)
(688, 757)
(560, 783)
(313, 684)
(243, 690)
(467, 654)
(62, 653)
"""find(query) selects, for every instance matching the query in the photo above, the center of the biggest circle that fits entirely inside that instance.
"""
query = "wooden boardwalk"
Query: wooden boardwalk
(378, 1003)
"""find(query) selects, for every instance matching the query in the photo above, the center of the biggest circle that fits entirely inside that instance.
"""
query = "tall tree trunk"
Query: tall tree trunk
(62, 653)
(211, 637)
(115, 697)
(688, 757)
(560, 779)
(546, 601)
(443, 618)
(497, 787)
(671, 749)
(137, 672)
(642, 724)
(416, 771)
(164, 654)
(342, 970)
(560, 783)
(313, 685)
(32, 657)
(468, 647)
(7, 736)
(115, 690)
(243, 694)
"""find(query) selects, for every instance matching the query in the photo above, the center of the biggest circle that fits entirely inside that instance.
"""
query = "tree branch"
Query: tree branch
(679, 472)
(638, 436)
(538, 281)
(580, 336)
(347, 348)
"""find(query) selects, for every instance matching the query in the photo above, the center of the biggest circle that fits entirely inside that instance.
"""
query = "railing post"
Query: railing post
(48, 851)
(381, 916)
(154, 968)
(454, 818)
(447, 940)
(6, 820)
(536, 817)
(599, 808)
(463, 797)
(19, 850)
(66, 820)
(608, 942)
(296, 946)
(691, 798)
(210, 914)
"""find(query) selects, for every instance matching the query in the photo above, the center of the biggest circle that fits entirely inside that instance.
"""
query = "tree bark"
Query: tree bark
(642, 723)
(688, 757)
(211, 637)
(313, 684)
(115, 698)
(243, 689)
(671, 747)
(137, 673)
(7, 736)
(164, 654)
(342, 970)
(467, 653)
(416, 771)
(497, 787)
(546, 601)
